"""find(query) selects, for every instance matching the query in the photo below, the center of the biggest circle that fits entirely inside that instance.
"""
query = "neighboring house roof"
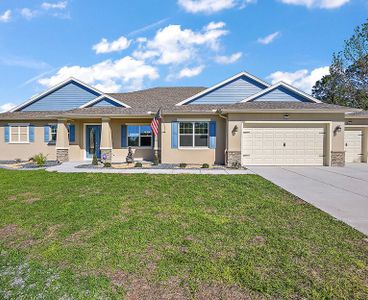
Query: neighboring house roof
(285, 86)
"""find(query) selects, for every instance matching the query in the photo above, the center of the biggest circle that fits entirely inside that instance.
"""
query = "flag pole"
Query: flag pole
(156, 127)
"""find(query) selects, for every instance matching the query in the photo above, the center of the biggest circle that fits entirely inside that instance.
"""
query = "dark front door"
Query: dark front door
(93, 140)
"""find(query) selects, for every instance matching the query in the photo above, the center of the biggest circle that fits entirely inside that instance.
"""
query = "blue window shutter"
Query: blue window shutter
(71, 133)
(174, 134)
(31, 133)
(124, 136)
(46, 133)
(6, 134)
(213, 134)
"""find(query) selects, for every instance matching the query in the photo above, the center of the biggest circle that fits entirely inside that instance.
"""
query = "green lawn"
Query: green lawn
(162, 236)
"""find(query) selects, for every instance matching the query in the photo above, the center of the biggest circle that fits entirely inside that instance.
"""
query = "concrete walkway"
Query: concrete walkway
(70, 167)
(341, 192)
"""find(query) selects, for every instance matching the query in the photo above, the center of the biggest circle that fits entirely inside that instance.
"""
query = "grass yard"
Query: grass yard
(87, 236)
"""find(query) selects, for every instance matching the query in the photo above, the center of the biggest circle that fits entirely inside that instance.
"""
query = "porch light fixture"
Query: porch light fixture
(286, 116)
(350, 122)
(235, 129)
(337, 129)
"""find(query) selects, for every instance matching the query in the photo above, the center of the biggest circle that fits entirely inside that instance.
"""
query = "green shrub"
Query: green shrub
(138, 165)
(107, 165)
(40, 159)
(94, 160)
(236, 165)
(205, 166)
(182, 165)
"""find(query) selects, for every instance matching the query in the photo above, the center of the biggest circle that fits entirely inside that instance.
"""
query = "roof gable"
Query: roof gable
(229, 91)
(281, 92)
(67, 95)
(104, 101)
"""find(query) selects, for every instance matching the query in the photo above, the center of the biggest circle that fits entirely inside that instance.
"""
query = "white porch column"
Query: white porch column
(62, 141)
(106, 140)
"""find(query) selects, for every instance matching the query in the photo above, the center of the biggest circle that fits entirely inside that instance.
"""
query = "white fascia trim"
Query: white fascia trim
(50, 90)
(285, 85)
(93, 101)
(246, 74)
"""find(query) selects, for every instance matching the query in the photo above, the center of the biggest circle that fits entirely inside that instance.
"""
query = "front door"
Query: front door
(93, 140)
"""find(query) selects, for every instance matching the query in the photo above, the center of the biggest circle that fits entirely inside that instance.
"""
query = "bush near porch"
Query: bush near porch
(162, 236)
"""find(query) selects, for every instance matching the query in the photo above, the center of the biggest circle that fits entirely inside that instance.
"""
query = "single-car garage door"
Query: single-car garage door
(283, 146)
(353, 146)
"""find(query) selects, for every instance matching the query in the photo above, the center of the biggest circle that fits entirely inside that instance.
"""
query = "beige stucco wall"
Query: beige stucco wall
(194, 156)
(331, 121)
(24, 152)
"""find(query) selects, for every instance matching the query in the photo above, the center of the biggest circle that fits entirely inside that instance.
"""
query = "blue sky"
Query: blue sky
(128, 45)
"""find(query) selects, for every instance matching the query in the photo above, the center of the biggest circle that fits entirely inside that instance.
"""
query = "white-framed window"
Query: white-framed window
(53, 133)
(139, 136)
(19, 134)
(193, 134)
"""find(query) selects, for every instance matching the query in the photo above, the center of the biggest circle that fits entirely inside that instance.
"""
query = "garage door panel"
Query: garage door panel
(283, 146)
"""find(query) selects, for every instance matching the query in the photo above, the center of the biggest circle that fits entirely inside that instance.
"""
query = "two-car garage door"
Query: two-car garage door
(283, 145)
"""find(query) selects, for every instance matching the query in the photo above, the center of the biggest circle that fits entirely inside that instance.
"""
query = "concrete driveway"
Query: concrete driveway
(341, 192)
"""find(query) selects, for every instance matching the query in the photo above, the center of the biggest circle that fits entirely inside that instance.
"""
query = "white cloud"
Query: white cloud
(269, 38)
(190, 72)
(28, 13)
(126, 73)
(302, 79)
(6, 16)
(56, 5)
(211, 6)
(6, 107)
(174, 45)
(104, 46)
(327, 4)
(226, 60)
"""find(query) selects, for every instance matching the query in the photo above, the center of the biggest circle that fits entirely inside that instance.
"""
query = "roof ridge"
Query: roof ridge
(159, 87)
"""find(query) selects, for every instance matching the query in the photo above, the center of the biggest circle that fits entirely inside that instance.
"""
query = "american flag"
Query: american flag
(156, 123)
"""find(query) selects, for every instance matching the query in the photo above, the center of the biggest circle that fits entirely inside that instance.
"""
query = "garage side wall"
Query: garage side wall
(334, 145)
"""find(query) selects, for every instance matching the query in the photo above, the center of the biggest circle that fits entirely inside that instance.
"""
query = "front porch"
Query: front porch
(106, 138)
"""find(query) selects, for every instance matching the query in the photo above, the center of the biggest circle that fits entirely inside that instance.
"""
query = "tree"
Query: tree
(347, 83)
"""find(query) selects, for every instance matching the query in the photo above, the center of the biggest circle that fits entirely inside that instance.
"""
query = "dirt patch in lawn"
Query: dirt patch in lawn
(14, 237)
(8, 231)
(217, 291)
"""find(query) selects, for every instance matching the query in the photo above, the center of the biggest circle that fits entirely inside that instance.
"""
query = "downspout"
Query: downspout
(221, 115)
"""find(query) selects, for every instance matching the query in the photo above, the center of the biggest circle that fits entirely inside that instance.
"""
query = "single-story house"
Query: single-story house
(241, 120)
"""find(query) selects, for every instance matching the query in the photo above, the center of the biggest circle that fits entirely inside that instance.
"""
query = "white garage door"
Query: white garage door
(283, 146)
(353, 146)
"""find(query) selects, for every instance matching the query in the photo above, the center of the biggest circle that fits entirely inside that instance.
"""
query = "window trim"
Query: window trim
(139, 139)
(52, 143)
(194, 147)
(19, 125)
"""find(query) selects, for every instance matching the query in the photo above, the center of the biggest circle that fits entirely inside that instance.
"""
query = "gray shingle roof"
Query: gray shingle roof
(150, 100)
(26, 115)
